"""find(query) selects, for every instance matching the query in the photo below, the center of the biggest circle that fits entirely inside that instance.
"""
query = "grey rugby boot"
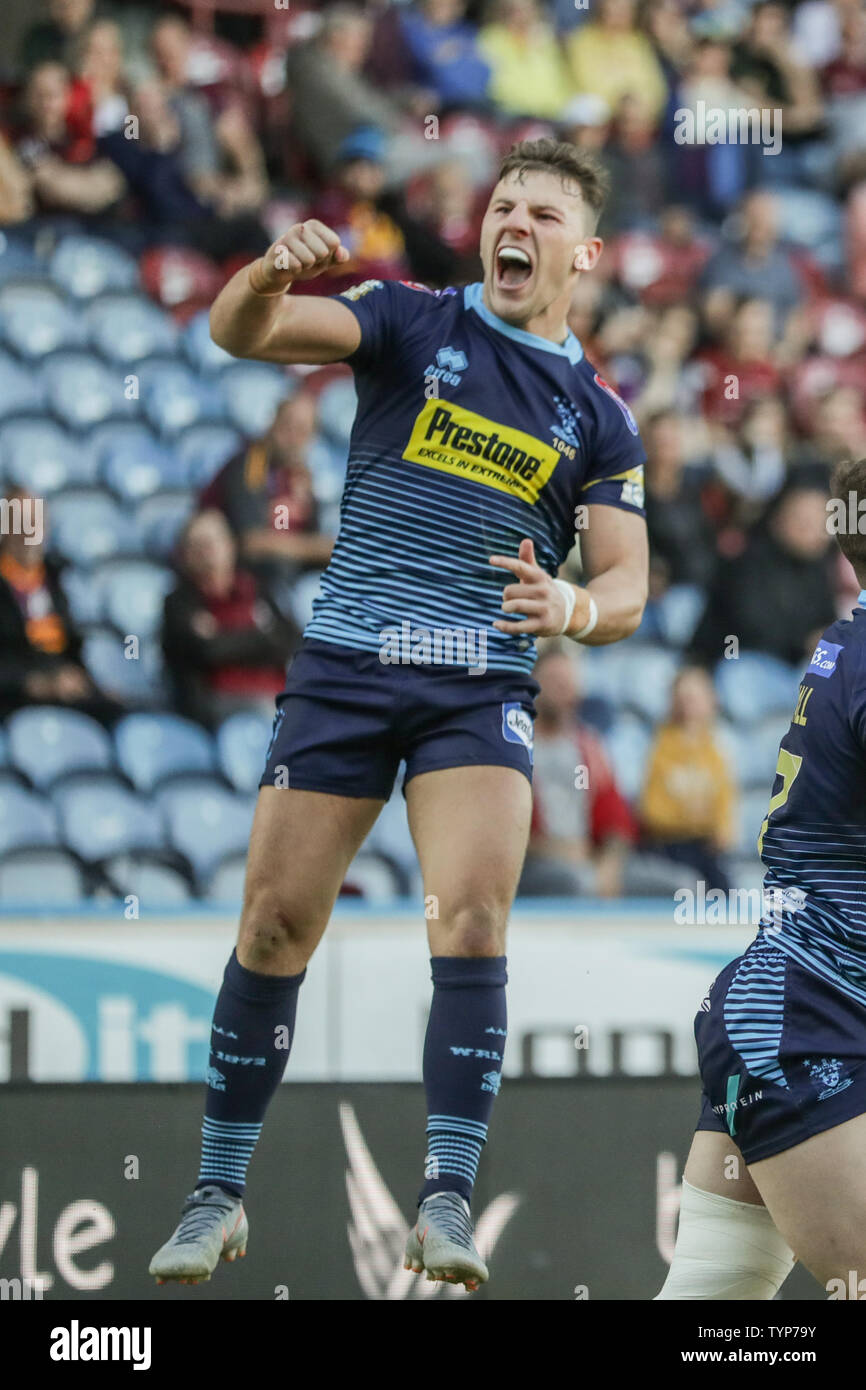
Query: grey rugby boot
(213, 1226)
(442, 1242)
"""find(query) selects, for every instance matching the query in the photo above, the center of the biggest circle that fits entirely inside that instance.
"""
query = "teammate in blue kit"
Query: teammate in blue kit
(480, 431)
(777, 1163)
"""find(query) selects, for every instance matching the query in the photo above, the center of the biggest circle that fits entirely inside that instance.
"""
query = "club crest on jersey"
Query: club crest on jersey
(449, 362)
(824, 659)
(629, 418)
(517, 725)
(564, 432)
(358, 291)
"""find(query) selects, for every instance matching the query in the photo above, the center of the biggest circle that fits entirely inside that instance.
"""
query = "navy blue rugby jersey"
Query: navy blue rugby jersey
(469, 436)
(813, 840)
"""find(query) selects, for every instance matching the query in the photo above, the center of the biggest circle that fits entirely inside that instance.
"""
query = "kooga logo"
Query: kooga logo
(77, 1343)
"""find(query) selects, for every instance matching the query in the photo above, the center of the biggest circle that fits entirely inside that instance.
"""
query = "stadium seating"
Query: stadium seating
(137, 681)
(206, 822)
(48, 743)
(156, 884)
(40, 878)
(100, 818)
(133, 594)
(252, 391)
(242, 742)
(201, 350)
(82, 390)
(203, 449)
(85, 266)
(125, 328)
(38, 454)
(136, 466)
(21, 389)
(88, 525)
(153, 748)
(755, 685)
(26, 819)
(174, 397)
(35, 319)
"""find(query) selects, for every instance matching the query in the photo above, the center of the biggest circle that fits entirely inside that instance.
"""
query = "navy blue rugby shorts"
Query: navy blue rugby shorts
(782, 1053)
(346, 720)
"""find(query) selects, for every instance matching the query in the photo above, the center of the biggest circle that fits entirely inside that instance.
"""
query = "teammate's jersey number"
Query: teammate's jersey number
(787, 767)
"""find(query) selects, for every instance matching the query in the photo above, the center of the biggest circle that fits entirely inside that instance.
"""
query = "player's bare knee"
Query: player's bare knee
(270, 930)
(475, 929)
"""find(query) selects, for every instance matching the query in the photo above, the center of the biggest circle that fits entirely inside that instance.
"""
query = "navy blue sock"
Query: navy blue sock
(463, 1053)
(252, 1031)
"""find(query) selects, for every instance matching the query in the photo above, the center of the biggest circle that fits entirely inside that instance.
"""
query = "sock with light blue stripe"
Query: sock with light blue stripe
(463, 1053)
(252, 1031)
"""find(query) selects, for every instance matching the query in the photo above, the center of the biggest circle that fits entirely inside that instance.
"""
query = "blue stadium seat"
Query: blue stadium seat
(628, 745)
(756, 685)
(160, 520)
(136, 467)
(99, 817)
(373, 878)
(762, 748)
(337, 405)
(84, 599)
(156, 884)
(82, 391)
(252, 392)
(17, 258)
(35, 319)
(133, 594)
(327, 464)
(87, 265)
(87, 525)
(645, 676)
(37, 454)
(26, 819)
(226, 885)
(40, 878)
(47, 743)
(152, 748)
(203, 449)
(206, 822)
(679, 611)
(21, 389)
(200, 348)
(4, 748)
(125, 328)
(173, 397)
(242, 742)
(135, 681)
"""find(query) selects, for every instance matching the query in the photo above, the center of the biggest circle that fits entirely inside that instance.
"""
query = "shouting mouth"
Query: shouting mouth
(513, 268)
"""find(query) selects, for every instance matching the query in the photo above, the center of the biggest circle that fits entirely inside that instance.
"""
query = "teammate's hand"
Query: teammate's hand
(301, 253)
(537, 596)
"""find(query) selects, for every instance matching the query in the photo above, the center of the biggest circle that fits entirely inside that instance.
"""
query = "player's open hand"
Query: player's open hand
(301, 253)
(534, 595)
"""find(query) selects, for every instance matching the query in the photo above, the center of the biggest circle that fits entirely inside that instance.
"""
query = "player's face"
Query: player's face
(531, 233)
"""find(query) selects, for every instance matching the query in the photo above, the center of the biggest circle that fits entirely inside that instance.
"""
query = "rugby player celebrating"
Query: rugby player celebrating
(480, 430)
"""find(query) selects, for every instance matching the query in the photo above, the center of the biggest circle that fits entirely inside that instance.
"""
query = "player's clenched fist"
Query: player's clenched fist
(302, 253)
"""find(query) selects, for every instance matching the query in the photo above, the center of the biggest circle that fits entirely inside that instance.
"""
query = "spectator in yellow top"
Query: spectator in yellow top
(611, 58)
(688, 796)
(529, 76)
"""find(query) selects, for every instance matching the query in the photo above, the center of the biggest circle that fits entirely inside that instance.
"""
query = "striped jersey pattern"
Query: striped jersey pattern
(813, 840)
(469, 436)
(754, 1011)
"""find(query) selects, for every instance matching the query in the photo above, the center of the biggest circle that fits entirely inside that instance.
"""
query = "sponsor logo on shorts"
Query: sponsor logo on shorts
(517, 725)
(467, 445)
(824, 659)
(827, 1072)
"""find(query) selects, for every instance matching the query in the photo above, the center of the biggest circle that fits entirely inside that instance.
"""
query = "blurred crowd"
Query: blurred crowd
(729, 309)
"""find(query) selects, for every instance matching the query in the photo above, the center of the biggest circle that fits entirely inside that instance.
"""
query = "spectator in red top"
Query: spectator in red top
(744, 367)
(58, 148)
(582, 827)
(226, 644)
(266, 495)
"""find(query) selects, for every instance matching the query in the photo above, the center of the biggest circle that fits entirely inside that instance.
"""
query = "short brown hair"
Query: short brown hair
(849, 477)
(568, 162)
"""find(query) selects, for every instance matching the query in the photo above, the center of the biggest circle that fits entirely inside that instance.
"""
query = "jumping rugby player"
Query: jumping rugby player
(777, 1166)
(481, 429)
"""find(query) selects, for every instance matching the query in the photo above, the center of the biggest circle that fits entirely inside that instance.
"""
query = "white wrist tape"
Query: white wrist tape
(725, 1250)
(568, 593)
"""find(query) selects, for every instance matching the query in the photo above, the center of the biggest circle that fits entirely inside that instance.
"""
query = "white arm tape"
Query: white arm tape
(569, 594)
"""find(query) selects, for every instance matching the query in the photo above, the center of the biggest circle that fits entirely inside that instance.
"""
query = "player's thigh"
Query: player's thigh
(301, 845)
(816, 1195)
(715, 1164)
(470, 826)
